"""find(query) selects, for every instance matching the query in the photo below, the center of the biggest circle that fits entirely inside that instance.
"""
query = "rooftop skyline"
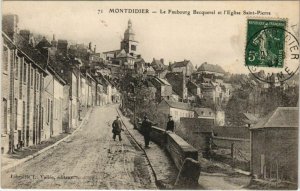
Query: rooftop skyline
(173, 37)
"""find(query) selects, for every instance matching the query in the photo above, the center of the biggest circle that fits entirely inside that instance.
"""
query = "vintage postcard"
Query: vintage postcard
(150, 95)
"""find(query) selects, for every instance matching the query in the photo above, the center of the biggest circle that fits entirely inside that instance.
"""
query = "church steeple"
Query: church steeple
(129, 44)
(129, 33)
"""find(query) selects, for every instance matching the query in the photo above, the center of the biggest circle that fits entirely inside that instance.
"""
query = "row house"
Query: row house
(175, 109)
(159, 67)
(163, 88)
(178, 83)
(99, 94)
(43, 88)
(184, 66)
(22, 88)
(53, 96)
(218, 116)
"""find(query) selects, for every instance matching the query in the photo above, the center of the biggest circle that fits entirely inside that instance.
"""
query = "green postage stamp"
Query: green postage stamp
(265, 43)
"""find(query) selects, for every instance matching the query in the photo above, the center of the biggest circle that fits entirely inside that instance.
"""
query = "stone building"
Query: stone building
(184, 66)
(159, 67)
(206, 68)
(22, 86)
(274, 145)
(126, 56)
(176, 109)
(163, 88)
(178, 82)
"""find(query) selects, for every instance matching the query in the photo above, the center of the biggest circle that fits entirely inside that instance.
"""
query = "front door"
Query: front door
(262, 166)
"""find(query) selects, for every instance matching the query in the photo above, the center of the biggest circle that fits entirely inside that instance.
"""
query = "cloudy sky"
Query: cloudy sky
(216, 39)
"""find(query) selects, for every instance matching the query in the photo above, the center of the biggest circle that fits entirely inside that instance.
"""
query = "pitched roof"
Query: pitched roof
(180, 64)
(205, 111)
(30, 51)
(44, 43)
(176, 81)
(210, 68)
(250, 118)
(179, 105)
(191, 83)
(112, 52)
(158, 65)
(283, 117)
(139, 61)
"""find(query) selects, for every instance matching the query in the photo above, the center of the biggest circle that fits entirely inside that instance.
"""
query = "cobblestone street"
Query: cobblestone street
(89, 159)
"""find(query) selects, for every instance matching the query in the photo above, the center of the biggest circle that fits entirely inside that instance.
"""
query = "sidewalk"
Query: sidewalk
(164, 168)
(12, 160)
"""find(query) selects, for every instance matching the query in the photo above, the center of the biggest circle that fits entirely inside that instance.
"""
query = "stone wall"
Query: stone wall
(178, 148)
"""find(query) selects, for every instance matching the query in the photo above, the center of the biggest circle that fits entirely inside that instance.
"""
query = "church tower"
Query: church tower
(129, 44)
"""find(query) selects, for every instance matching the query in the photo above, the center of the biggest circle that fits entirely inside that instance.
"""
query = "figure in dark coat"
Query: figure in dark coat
(170, 124)
(146, 128)
(117, 128)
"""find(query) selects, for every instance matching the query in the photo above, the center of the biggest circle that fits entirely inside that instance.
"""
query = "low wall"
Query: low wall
(158, 136)
(242, 145)
(178, 148)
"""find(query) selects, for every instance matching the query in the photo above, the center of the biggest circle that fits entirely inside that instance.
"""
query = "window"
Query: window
(31, 79)
(16, 67)
(209, 113)
(21, 65)
(24, 72)
(202, 112)
(42, 118)
(133, 47)
(48, 111)
(37, 81)
(4, 125)
(5, 58)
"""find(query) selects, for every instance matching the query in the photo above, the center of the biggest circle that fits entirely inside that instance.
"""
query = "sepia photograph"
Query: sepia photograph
(150, 95)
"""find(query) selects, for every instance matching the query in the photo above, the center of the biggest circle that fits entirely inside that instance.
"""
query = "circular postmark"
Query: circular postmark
(273, 53)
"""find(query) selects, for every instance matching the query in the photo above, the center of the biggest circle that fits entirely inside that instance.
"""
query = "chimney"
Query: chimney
(62, 46)
(25, 34)
(90, 46)
(10, 25)
(54, 42)
(162, 60)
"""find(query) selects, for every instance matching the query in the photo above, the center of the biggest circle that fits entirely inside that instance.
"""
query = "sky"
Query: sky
(216, 39)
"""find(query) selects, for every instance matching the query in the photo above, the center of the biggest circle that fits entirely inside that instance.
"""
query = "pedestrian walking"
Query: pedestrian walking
(117, 128)
(170, 124)
(146, 130)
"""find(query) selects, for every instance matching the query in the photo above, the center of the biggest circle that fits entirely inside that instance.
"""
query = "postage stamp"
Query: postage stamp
(271, 52)
(265, 43)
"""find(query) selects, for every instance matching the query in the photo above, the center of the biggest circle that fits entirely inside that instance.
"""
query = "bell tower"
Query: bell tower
(129, 44)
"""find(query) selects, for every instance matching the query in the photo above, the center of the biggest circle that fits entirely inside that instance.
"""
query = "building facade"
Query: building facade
(274, 148)
(175, 109)
(22, 88)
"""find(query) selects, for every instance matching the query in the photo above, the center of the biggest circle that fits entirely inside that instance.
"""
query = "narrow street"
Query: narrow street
(89, 159)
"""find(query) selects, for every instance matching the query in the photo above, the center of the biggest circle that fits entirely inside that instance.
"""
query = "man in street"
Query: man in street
(146, 130)
(117, 128)
(170, 124)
